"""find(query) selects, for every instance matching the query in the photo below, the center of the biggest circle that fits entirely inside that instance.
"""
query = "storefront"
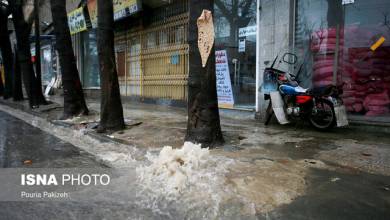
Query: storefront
(85, 47)
(151, 49)
(347, 42)
(48, 62)
(235, 45)
(152, 56)
(152, 53)
(90, 62)
(48, 58)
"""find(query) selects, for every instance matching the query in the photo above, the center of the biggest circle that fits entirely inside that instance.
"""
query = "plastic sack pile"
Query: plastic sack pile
(366, 73)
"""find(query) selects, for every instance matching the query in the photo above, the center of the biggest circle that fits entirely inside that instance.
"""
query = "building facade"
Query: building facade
(338, 41)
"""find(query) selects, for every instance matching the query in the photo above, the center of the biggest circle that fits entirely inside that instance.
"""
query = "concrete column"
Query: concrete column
(275, 32)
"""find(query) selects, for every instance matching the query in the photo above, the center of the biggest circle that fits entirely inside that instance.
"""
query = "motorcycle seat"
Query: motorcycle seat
(322, 91)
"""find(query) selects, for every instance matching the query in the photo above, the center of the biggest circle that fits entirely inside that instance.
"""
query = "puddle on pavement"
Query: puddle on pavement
(300, 150)
(334, 195)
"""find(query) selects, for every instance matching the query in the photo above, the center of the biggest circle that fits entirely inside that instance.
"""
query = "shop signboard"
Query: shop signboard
(247, 31)
(346, 2)
(76, 21)
(224, 85)
(122, 9)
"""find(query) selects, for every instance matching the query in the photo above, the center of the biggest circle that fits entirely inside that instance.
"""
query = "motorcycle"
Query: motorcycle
(322, 107)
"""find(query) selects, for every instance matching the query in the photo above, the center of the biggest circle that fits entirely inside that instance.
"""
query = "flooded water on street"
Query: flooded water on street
(273, 181)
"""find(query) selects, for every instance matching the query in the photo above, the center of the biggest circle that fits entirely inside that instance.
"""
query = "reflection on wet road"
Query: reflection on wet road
(325, 192)
(22, 145)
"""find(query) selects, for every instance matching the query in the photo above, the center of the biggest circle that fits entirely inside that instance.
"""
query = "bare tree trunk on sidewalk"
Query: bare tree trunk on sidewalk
(111, 111)
(17, 79)
(74, 101)
(1, 86)
(6, 53)
(23, 30)
(37, 31)
(203, 114)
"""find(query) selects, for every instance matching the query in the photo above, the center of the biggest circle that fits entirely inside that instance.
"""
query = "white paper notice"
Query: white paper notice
(241, 45)
(346, 2)
(247, 31)
(224, 85)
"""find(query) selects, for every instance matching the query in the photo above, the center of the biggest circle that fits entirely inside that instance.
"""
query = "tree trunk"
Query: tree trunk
(1, 85)
(111, 112)
(74, 101)
(6, 53)
(203, 114)
(17, 79)
(37, 31)
(22, 30)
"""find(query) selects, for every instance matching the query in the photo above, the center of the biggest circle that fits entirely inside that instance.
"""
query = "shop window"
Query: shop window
(151, 40)
(179, 38)
(47, 64)
(90, 75)
(235, 43)
(347, 44)
(163, 38)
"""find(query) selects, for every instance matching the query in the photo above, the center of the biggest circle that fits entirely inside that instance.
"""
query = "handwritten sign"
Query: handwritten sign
(76, 21)
(247, 31)
(224, 85)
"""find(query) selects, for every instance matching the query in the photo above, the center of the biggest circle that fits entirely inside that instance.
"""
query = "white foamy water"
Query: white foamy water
(189, 179)
(175, 169)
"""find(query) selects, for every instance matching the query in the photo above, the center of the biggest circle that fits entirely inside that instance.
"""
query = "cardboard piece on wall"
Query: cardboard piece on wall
(205, 35)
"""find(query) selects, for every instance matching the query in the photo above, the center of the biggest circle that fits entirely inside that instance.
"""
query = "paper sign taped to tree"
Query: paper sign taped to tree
(205, 35)
(224, 85)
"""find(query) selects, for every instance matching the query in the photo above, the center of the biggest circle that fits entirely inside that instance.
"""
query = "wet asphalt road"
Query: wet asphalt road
(21, 142)
(354, 196)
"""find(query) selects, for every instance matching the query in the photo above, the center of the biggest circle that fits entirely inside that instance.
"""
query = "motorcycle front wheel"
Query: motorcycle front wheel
(322, 115)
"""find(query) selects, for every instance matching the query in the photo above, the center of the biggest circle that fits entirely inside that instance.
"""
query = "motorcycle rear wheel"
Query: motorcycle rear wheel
(322, 116)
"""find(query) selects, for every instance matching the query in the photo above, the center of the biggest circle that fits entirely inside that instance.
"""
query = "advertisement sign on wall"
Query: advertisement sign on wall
(247, 31)
(76, 21)
(122, 9)
(224, 85)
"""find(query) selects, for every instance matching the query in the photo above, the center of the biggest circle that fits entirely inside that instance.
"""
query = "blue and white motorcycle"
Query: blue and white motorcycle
(321, 107)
